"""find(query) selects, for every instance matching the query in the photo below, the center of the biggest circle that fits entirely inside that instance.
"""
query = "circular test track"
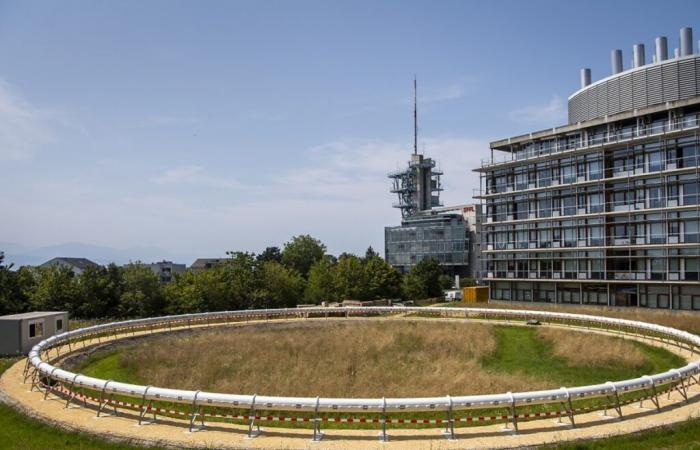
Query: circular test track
(529, 418)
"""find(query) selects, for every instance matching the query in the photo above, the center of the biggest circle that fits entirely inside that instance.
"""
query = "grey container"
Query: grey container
(20, 332)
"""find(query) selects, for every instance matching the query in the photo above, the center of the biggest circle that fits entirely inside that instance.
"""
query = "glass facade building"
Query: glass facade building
(603, 210)
(443, 237)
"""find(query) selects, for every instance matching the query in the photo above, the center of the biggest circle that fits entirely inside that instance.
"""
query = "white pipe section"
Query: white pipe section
(363, 404)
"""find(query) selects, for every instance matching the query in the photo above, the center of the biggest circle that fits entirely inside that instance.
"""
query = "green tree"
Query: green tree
(320, 286)
(197, 291)
(56, 289)
(423, 280)
(351, 278)
(383, 281)
(12, 291)
(279, 286)
(101, 290)
(301, 252)
(142, 293)
(270, 254)
(239, 272)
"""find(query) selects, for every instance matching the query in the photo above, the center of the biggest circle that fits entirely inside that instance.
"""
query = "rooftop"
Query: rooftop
(32, 315)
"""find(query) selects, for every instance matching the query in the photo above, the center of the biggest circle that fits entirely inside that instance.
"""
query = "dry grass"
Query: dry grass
(587, 349)
(370, 359)
(683, 320)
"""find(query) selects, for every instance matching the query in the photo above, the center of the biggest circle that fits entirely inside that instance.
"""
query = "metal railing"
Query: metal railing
(629, 134)
(194, 404)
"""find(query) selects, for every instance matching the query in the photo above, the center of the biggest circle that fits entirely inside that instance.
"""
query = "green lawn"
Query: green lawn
(520, 350)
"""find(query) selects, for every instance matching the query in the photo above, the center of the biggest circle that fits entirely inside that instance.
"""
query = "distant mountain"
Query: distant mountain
(23, 256)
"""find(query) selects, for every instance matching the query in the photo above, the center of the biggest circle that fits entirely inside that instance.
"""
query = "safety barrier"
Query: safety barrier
(196, 405)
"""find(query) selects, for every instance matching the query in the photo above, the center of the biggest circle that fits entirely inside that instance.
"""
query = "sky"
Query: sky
(203, 127)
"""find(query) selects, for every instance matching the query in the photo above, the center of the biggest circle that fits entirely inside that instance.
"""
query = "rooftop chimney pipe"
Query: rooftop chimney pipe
(686, 41)
(638, 52)
(661, 48)
(585, 77)
(616, 61)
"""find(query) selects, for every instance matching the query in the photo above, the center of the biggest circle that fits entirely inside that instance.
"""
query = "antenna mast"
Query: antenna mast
(415, 116)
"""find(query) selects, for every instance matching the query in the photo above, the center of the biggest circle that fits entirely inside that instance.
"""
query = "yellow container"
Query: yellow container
(475, 294)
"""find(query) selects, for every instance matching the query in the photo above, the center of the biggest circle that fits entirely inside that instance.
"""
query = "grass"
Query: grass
(392, 359)
(18, 431)
(523, 351)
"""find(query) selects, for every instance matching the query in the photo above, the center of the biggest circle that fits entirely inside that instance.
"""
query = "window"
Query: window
(36, 329)
(655, 161)
(59, 324)
(595, 170)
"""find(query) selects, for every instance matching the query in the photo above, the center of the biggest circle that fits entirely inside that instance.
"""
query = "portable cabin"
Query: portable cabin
(20, 332)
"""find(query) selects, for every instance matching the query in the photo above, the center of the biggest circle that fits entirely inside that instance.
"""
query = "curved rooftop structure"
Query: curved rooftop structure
(643, 85)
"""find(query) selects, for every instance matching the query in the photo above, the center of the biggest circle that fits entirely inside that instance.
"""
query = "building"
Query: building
(166, 270)
(428, 229)
(206, 263)
(603, 210)
(20, 332)
(446, 234)
(77, 265)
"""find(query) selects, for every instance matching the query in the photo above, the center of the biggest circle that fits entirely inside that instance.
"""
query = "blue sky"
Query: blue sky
(201, 127)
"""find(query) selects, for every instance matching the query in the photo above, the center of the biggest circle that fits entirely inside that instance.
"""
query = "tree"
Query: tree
(142, 294)
(279, 286)
(302, 252)
(320, 286)
(12, 291)
(351, 279)
(423, 280)
(197, 291)
(383, 281)
(239, 272)
(100, 291)
(270, 254)
(56, 289)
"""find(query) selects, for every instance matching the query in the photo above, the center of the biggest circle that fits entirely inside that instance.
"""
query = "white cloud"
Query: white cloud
(553, 112)
(24, 128)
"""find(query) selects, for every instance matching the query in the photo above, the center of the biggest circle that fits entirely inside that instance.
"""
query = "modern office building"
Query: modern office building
(446, 234)
(603, 210)
(428, 229)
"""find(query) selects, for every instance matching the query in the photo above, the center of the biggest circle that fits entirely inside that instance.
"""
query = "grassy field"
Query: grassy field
(20, 432)
(379, 359)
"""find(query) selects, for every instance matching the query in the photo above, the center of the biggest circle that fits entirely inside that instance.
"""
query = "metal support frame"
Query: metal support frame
(513, 413)
(655, 397)
(143, 409)
(383, 436)
(47, 387)
(253, 433)
(196, 412)
(71, 390)
(103, 402)
(568, 407)
(617, 406)
(449, 431)
(318, 434)
(681, 390)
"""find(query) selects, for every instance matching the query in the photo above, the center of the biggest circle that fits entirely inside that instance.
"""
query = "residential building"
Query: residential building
(166, 270)
(77, 265)
(604, 210)
(206, 263)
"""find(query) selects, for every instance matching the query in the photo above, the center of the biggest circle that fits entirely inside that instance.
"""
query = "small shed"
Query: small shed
(20, 332)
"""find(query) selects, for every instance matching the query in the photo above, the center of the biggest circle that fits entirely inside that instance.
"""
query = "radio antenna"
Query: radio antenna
(415, 116)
